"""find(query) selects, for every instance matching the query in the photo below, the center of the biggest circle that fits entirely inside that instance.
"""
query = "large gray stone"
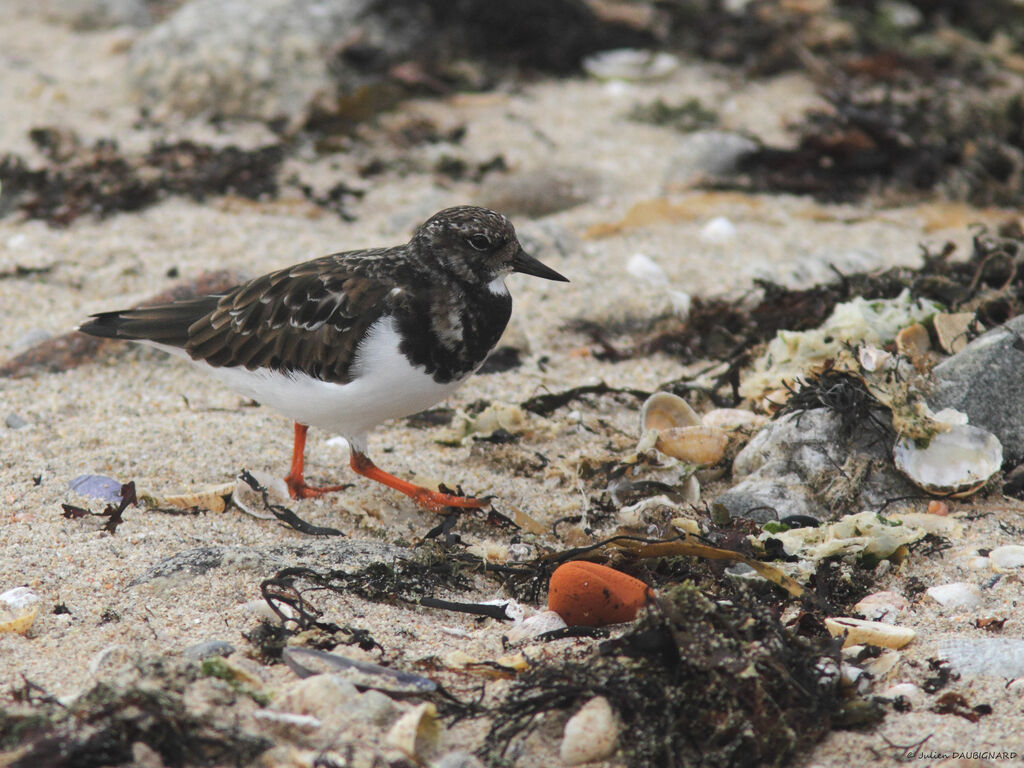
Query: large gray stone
(985, 380)
(805, 464)
(265, 59)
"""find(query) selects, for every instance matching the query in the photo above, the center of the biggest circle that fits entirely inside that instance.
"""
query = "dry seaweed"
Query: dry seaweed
(694, 682)
(113, 513)
(100, 180)
(100, 726)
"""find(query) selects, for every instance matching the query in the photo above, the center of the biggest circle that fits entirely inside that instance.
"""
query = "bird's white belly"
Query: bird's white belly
(384, 386)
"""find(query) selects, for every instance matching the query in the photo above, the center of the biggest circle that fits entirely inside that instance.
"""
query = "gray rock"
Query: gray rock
(704, 154)
(208, 649)
(14, 421)
(985, 380)
(266, 59)
(349, 554)
(541, 191)
(803, 464)
(89, 15)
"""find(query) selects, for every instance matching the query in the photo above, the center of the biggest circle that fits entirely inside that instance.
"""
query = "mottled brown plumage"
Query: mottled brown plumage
(392, 330)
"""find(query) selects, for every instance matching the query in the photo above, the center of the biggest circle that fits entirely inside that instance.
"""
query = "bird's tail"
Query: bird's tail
(163, 324)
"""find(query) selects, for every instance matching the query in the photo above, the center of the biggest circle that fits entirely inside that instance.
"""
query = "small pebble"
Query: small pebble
(14, 421)
(591, 734)
(718, 231)
(882, 606)
(956, 595)
(1008, 558)
(936, 507)
(908, 691)
(208, 649)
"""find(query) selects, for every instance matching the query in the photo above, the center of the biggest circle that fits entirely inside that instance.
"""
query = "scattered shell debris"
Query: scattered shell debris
(863, 534)
(861, 632)
(18, 610)
(859, 321)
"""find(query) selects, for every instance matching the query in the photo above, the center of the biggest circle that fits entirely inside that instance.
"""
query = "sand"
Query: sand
(138, 415)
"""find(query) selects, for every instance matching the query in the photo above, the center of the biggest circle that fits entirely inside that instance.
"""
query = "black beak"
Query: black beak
(525, 263)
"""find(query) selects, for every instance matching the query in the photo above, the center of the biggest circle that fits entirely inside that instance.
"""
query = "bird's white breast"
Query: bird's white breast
(384, 386)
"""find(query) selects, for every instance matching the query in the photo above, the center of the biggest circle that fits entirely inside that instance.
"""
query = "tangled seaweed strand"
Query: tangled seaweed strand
(695, 683)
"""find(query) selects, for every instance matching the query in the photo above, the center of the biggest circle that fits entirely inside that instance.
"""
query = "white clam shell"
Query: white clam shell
(663, 410)
(956, 462)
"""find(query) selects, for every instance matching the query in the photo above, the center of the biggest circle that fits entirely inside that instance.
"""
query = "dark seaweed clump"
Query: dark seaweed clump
(694, 683)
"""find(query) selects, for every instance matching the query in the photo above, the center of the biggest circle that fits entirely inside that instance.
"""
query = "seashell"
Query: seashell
(951, 329)
(913, 341)
(251, 501)
(882, 606)
(417, 732)
(957, 462)
(976, 656)
(591, 734)
(538, 624)
(213, 499)
(955, 595)
(883, 665)
(858, 631)
(1007, 558)
(630, 64)
(18, 609)
(288, 721)
(693, 445)
(731, 419)
(873, 358)
(306, 662)
(591, 595)
(663, 410)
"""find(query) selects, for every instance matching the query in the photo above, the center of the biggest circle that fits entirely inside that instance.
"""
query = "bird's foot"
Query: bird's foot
(437, 501)
(298, 489)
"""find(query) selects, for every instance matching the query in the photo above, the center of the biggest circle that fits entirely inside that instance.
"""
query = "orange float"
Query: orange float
(591, 595)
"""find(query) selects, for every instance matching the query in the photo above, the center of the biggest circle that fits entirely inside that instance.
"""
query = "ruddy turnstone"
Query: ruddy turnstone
(347, 341)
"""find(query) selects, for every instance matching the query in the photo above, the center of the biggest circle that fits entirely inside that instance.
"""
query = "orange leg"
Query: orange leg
(432, 500)
(296, 483)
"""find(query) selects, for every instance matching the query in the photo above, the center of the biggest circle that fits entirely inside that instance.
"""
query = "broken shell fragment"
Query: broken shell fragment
(591, 595)
(913, 341)
(952, 330)
(955, 463)
(882, 606)
(663, 410)
(693, 445)
(860, 632)
(18, 609)
(955, 595)
(213, 499)
(591, 734)
(306, 662)
(731, 419)
(416, 733)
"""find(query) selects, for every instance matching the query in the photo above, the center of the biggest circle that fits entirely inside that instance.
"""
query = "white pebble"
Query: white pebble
(538, 624)
(591, 734)
(644, 268)
(1008, 558)
(956, 595)
(908, 691)
(718, 231)
(882, 606)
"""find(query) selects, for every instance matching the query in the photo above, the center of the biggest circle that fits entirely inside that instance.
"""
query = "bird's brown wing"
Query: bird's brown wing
(306, 318)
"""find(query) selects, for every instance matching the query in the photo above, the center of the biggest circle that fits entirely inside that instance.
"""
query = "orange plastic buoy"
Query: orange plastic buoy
(591, 595)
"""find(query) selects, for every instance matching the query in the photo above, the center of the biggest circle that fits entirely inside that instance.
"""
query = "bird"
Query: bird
(350, 340)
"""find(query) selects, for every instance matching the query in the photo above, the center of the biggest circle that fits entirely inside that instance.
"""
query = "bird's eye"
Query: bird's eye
(480, 242)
